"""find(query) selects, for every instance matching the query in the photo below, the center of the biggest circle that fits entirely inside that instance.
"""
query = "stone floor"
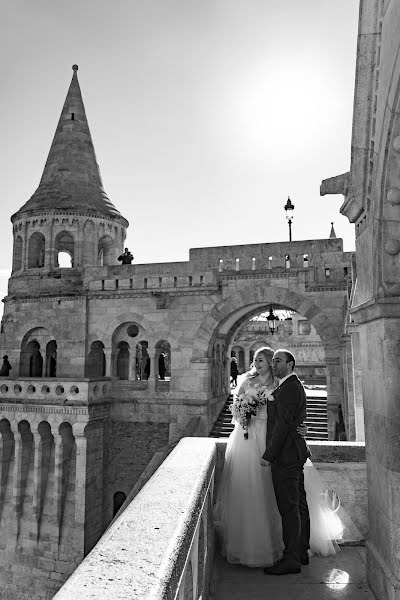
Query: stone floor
(339, 577)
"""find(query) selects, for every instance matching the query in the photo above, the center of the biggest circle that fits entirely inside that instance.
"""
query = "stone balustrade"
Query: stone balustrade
(161, 545)
(53, 390)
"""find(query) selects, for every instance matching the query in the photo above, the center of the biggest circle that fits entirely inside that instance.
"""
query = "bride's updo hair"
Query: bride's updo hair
(268, 353)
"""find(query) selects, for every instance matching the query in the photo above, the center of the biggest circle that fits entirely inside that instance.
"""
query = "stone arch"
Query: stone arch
(227, 315)
(17, 254)
(51, 359)
(224, 319)
(106, 250)
(88, 243)
(36, 250)
(123, 360)
(143, 360)
(108, 330)
(64, 243)
(96, 360)
(31, 358)
(163, 359)
(123, 349)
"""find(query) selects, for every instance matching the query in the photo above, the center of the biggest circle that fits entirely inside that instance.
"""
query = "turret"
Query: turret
(69, 221)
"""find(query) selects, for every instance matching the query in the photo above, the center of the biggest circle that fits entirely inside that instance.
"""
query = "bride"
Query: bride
(246, 515)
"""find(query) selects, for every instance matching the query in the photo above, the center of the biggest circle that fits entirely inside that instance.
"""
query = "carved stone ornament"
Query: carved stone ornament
(392, 246)
(396, 143)
(393, 196)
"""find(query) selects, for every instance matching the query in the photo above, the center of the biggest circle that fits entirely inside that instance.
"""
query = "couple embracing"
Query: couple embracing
(261, 512)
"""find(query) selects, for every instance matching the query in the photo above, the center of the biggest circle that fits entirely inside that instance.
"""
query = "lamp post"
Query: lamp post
(271, 320)
(289, 207)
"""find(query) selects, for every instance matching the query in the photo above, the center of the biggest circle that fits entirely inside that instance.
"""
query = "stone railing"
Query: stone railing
(161, 546)
(53, 390)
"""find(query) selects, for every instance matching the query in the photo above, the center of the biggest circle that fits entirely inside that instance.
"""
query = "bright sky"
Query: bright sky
(205, 114)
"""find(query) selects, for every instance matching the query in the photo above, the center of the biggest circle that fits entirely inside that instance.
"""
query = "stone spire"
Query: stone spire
(332, 234)
(71, 179)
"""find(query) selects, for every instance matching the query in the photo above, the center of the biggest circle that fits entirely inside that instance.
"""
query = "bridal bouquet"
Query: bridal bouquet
(248, 404)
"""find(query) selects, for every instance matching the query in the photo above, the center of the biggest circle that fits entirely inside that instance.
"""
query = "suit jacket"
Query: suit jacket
(286, 412)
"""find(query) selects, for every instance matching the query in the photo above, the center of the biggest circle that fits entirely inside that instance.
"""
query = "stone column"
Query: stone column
(357, 386)
(80, 481)
(348, 410)
(58, 463)
(16, 492)
(153, 369)
(37, 480)
(334, 380)
(108, 354)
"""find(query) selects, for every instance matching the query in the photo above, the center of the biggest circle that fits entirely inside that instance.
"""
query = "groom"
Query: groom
(286, 453)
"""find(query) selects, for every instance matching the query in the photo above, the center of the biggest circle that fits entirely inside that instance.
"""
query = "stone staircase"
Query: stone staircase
(317, 419)
(317, 416)
(223, 427)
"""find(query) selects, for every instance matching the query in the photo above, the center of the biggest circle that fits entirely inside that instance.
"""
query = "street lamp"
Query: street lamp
(289, 207)
(271, 320)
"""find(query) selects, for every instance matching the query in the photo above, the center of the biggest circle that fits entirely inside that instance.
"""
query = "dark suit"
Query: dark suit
(287, 452)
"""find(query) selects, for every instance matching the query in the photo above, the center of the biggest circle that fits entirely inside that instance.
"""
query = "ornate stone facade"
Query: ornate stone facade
(88, 405)
(372, 201)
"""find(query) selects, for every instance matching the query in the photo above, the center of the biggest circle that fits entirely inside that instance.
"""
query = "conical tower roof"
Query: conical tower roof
(71, 179)
(332, 234)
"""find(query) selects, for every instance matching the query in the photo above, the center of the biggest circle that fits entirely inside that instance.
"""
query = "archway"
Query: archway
(32, 345)
(64, 248)
(36, 249)
(123, 357)
(221, 323)
(96, 360)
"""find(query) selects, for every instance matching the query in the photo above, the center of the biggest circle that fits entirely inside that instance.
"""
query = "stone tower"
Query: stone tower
(69, 217)
(70, 211)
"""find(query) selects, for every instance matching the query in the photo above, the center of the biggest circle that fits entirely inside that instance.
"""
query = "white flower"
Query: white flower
(270, 398)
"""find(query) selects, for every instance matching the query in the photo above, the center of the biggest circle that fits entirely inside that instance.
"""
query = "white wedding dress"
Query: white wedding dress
(246, 515)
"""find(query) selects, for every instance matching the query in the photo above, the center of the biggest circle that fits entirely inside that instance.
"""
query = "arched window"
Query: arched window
(118, 500)
(17, 257)
(32, 360)
(123, 360)
(51, 359)
(64, 260)
(36, 247)
(106, 251)
(64, 245)
(163, 360)
(96, 360)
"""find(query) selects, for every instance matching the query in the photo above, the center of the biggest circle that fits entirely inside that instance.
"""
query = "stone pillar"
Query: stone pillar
(380, 362)
(17, 471)
(58, 463)
(37, 480)
(80, 482)
(348, 407)
(108, 354)
(334, 381)
(153, 369)
(357, 386)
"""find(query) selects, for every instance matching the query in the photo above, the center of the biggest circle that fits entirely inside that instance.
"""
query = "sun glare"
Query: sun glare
(276, 108)
(337, 579)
